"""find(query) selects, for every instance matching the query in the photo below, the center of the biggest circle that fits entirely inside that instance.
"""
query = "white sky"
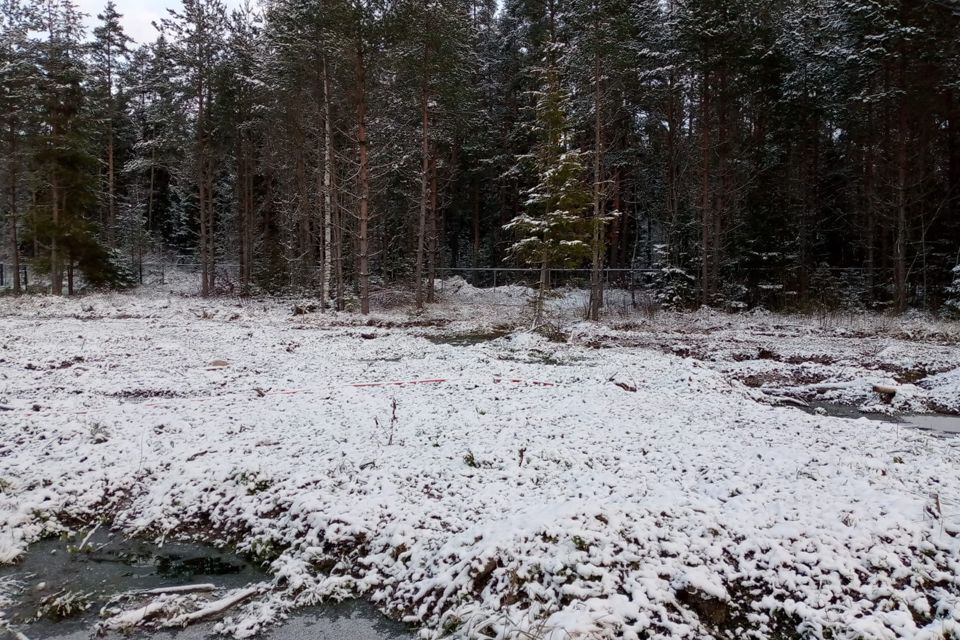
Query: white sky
(137, 14)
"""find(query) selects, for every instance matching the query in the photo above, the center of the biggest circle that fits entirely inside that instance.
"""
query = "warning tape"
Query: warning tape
(397, 383)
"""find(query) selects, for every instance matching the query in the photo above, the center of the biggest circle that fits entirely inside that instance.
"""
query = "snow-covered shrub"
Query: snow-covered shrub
(952, 305)
(825, 291)
(853, 290)
(733, 297)
(63, 604)
(674, 287)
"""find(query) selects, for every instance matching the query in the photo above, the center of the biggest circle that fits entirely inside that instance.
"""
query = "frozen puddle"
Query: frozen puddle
(944, 426)
(111, 565)
(938, 425)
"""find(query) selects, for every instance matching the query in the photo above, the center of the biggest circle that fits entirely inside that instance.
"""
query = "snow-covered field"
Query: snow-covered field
(625, 480)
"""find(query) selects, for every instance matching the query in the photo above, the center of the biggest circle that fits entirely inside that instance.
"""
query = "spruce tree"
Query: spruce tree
(552, 230)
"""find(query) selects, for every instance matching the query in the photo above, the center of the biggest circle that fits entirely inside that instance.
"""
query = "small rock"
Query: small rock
(219, 364)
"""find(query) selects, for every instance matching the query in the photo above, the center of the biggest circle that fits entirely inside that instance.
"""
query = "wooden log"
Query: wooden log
(885, 389)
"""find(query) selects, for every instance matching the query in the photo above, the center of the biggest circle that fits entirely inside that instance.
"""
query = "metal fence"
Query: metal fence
(771, 288)
(27, 276)
(530, 277)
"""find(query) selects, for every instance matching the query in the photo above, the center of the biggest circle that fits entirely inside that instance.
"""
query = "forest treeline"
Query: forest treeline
(774, 152)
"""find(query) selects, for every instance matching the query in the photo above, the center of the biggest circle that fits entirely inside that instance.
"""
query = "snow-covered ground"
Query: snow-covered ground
(623, 480)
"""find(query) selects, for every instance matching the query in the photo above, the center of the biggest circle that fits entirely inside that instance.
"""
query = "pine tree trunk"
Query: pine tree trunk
(14, 243)
(900, 243)
(541, 291)
(424, 182)
(111, 191)
(674, 120)
(202, 205)
(867, 204)
(153, 171)
(596, 273)
(211, 228)
(245, 214)
(363, 179)
(111, 179)
(250, 215)
(327, 189)
(433, 235)
(241, 211)
(304, 230)
(617, 235)
(953, 157)
(434, 243)
(201, 180)
(56, 267)
(475, 254)
(338, 254)
(706, 218)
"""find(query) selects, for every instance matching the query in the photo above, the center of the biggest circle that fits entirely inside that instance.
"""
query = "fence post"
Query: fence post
(1, 274)
(494, 278)
(25, 283)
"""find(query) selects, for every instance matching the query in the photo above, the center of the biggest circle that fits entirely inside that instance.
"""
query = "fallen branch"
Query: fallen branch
(186, 588)
(782, 400)
(214, 608)
(134, 617)
(833, 386)
(86, 539)
(17, 635)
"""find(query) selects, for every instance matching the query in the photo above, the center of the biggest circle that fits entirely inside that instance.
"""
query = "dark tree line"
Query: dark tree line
(775, 152)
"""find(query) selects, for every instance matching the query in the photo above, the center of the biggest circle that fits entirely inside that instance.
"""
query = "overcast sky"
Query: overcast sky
(137, 14)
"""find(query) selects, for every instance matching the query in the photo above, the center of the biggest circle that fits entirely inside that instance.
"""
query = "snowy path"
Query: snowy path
(684, 509)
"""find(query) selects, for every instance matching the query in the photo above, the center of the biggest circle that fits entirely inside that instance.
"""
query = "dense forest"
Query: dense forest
(783, 153)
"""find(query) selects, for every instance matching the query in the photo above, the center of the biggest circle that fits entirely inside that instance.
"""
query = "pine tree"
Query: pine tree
(241, 92)
(198, 32)
(65, 194)
(17, 77)
(108, 54)
(160, 135)
(604, 67)
(434, 61)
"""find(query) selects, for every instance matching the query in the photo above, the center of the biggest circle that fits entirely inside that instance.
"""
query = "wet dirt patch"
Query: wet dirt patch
(467, 339)
(146, 394)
